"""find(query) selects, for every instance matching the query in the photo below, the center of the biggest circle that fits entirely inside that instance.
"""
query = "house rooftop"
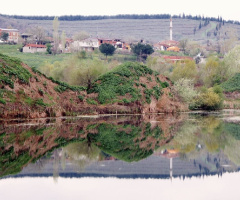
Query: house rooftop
(10, 30)
(36, 45)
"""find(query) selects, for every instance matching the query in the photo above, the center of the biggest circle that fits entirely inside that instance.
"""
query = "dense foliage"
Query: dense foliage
(142, 50)
(233, 84)
(107, 49)
(11, 69)
(124, 80)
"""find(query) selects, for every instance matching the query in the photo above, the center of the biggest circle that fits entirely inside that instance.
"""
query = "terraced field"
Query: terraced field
(151, 30)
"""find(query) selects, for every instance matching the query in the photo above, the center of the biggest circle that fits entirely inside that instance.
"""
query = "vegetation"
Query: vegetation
(142, 50)
(107, 49)
(120, 82)
(4, 36)
(11, 69)
(126, 16)
(233, 84)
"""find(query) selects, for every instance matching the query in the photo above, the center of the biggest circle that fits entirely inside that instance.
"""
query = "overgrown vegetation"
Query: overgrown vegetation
(11, 70)
(121, 81)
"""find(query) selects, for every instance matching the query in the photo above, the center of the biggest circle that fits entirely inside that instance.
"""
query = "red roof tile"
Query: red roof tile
(36, 45)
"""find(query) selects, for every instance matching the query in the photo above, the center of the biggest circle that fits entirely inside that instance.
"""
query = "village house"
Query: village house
(176, 59)
(105, 41)
(34, 48)
(166, 44)
(13, 34)
(68, 46)
(89, 44)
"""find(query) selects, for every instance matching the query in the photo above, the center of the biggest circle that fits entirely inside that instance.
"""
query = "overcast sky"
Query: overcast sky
(211, 8)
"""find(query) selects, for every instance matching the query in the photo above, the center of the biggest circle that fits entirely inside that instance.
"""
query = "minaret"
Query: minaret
(171, 28)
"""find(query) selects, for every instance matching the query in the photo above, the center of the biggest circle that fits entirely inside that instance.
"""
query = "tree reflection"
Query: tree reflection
(81, 141)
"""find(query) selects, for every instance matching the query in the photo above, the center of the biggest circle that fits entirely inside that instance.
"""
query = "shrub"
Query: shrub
(91, 101)
(208, 100)
(80, 97)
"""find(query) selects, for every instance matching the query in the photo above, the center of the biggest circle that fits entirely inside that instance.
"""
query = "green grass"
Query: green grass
(31, 59)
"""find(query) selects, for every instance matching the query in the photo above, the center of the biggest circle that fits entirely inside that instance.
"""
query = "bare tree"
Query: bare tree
(38, 33)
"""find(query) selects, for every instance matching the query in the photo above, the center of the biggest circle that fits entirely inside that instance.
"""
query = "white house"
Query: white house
(34, 48)
(88, 44)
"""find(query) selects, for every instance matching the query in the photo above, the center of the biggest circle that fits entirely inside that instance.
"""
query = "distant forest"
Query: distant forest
(132, 16)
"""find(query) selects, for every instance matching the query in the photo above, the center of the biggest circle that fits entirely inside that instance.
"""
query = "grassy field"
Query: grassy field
(38, 59)
(33, 60)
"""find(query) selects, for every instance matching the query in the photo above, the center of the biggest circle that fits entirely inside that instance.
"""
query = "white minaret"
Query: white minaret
(171, 28)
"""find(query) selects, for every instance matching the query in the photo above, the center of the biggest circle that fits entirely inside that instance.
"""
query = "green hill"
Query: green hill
(233, 84)
(128, 88)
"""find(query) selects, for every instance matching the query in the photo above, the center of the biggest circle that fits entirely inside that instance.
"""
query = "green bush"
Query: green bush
(91, 101)
(80, 97)
(2, 101)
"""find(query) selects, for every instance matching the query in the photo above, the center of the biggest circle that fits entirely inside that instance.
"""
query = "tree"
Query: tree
(214, 72)
(81, 35)
(185, 88)
(194, 30)
(232, 60)
(158, 64)
(4, 36)
(107, 49)
(183, 45)
(49, 48)
(55, 35)
(39, 33)
(142, 50)
(63, 41)
(187, 70)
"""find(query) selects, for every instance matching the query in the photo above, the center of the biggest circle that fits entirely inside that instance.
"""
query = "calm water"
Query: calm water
(185, 156)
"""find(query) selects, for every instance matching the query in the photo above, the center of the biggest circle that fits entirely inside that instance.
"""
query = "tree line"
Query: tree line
(125, 16)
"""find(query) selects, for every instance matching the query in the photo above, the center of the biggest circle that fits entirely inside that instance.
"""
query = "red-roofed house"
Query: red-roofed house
(164, 45)
(34, 48)
(174, 59)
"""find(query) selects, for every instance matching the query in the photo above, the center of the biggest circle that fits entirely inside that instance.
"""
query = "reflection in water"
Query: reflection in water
(127, 146)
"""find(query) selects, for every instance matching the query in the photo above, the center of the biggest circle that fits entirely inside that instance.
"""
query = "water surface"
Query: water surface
(184, 156)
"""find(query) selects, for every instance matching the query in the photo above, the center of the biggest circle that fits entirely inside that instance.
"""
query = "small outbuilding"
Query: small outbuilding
(34, 48)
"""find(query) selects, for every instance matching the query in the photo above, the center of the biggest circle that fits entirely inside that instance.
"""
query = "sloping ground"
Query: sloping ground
(232, 92)
(153, 30)
(129, 88)
(233, 84)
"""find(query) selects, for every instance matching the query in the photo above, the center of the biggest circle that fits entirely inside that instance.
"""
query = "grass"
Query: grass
(31, 59)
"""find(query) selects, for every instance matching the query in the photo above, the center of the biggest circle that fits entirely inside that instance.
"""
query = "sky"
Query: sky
(229, 9)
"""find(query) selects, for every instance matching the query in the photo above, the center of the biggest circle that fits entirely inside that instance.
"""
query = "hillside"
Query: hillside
(152, 30)
(129, 88)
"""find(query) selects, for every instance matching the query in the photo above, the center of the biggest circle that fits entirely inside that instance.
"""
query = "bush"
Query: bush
(80, 97)
(91, 101)
(208, 100)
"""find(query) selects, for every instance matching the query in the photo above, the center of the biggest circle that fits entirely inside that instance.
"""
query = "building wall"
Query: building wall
(34, 50)
(13, 34)
(87, 45)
